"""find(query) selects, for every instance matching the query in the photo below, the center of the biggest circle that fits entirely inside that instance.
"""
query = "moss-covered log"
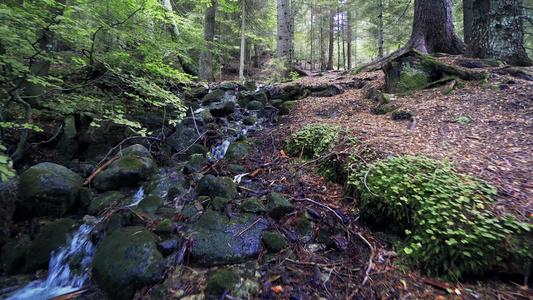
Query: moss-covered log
(414, 71)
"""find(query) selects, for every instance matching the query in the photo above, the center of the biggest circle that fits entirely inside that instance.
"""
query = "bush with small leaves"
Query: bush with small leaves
(313, 140)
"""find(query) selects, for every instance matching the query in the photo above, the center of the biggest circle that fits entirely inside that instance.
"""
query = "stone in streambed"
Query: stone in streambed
(278, 206)
(126, 261)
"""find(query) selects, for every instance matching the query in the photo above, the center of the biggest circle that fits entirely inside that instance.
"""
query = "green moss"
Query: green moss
(358, 70)
(384, 98)
(313, 140)
(412, 78)
(222, 280)
(286, 107)
(494, 87)
(164, 227)
(130, 163)
(273, 241)
(486, 80)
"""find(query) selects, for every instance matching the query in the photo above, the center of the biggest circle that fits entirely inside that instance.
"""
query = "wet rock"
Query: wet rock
(249, 85)
(250, 120)
(205, 115)
(126, 261)
(216, 239)
(221, 281)
(214, 96)
(169, 246)
(236, 151)
(252, 205)
(168, 184)
(47, 189)
(196, 149)
(135, 165)
(8, 197)
(150, 204)
(50, 238)
(273, 241)
(255, 105)
(278, 206)
(198, 92)
(13, 253)
(184, 136)
(248, 289)
(260, 96)
(213, 187)
(105, 200)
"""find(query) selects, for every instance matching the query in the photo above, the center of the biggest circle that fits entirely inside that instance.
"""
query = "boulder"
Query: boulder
(13, 253)
(252, 205)
(255, 105)
(249, 120)
(223, 110)
(213, 187)
(150, 204)
(50, 238)
(217, 241)
(274, 241)
(227, 86)
(105, 200)
(221, 281)
(167, 185)
(47, 189)
(135, 165)
(126, 261)
(236, 151)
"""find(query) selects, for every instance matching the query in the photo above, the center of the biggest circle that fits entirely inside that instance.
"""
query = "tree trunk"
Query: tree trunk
(322, 47)
(380, 29)
(498, 31)
(243, 42)
(349, 39)
(468, 20)
(284, 34)
(311, 37)
(433, 29)
(330, 49)
(205, 72)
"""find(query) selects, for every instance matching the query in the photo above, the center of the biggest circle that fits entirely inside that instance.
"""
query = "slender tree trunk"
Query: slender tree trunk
(257, 55)
(380, 29)
(433, 29)
(284, 36)
(498, 31)
(243, 42)
(338, 41)
(468, 20)
(312, 38)
(330, 49)
(343, 40)
(205, 73)
(349, 38)
(322, 46)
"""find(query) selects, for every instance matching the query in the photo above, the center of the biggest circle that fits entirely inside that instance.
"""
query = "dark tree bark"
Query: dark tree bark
(205, 72)
(468, 20)
(349, 38)
(498, 31)
(380, 29)
(284, 34)
(331, 39)
(433, 29)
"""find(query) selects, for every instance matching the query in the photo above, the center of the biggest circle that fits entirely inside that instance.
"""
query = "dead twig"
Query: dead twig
(256, 221)
(322, 205)
(99, 170)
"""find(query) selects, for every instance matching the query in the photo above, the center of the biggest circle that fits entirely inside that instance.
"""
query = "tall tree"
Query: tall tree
(380, 29)
(331, 38)
(284, 34)
(243, 41)
(498, 31)
(433, 29)
(205, 72)
(349, 38)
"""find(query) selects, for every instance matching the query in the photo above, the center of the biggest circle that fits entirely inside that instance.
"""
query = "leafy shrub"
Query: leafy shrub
(313, 140)
(450, 229)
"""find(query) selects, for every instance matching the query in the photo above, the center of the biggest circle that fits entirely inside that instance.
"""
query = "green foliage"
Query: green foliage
(463, 120)
(313, 140)
(446, 216)
(275, 70)
(6, 166)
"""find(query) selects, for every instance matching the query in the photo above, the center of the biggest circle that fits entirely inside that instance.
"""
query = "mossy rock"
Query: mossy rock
(164, 227)
(106, 200)
(50, 238)
(205, 115)
(126, 261)
(213, 187)
(13, 253)
(286, 107)
(382, 109)
(384, 98)
(196, 162)
(255, 105)
(274, 241)
(236, 151)
(278, 206)
(150, 204)
(219, 203)
(223, 110)
(236, 169)
(221, 281)
(249, 120)
(227, 86)
(252, 205)
(214, 96)
(401, 115)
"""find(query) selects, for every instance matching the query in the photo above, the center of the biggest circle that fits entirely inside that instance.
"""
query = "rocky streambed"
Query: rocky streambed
(176, 216)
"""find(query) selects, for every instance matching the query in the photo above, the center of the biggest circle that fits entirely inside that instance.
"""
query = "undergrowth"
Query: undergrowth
(445, 217)
(313, 140)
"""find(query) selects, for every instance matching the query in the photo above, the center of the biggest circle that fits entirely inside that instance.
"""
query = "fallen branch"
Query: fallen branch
(256, 221)
(99, 170)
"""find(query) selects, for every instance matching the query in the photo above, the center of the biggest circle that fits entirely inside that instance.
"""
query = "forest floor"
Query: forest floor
(486, 132)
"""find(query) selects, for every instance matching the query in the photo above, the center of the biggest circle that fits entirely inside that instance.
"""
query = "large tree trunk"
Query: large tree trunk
(284, 34)
(243, 41)
(380, 29)
(498, 31)
(433, 29)
(205, 72)
(468, 20)
(349, 39)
